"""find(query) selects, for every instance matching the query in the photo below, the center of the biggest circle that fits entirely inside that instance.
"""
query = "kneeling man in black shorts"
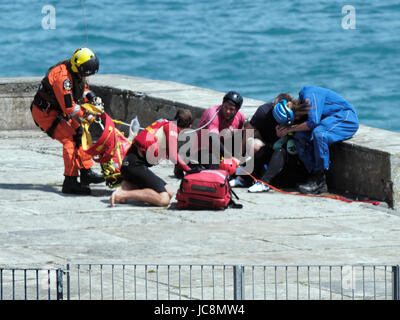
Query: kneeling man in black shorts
(158, 141)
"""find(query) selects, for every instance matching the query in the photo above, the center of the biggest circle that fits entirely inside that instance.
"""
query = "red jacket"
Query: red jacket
(147, 138)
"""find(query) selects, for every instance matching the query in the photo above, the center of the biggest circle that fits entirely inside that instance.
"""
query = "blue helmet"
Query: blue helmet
(282, 113)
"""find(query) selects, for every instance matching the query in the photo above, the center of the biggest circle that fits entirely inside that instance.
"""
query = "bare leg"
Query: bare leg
(125, 192)
(254, 144)
(170, 192)
(116, 195)
(125, 185)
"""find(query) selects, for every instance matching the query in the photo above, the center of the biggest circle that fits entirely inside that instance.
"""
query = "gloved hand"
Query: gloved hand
(89, 116)
(78, 137)
(98, 103)
(90, 96)
(95, 100)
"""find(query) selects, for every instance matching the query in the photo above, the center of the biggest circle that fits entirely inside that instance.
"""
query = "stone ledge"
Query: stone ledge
(366, 166)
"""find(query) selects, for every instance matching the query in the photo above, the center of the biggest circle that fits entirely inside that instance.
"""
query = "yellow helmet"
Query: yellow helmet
(84, 62)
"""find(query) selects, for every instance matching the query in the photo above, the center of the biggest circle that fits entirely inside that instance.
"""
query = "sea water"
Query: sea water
(256, 47)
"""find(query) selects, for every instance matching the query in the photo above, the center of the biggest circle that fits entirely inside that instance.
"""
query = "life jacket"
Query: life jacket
(148, 137)
(46, 90)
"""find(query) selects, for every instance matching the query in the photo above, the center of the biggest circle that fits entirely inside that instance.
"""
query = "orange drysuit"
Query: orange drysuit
(57, 100)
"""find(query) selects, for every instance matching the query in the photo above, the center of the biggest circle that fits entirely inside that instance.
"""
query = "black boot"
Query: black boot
(316, 184)
(72, 186)
(89, 176)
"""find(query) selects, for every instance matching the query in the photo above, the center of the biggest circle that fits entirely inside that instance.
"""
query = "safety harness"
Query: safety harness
(45, 98)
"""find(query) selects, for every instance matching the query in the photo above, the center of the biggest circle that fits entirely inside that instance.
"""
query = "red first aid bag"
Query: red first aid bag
(207, 189)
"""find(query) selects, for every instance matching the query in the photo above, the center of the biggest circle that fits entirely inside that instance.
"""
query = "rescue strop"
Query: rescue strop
(109, 150)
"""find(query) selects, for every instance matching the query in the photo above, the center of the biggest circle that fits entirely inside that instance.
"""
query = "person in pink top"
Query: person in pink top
(220, 125)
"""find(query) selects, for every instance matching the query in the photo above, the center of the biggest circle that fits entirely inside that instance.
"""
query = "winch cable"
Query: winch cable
(84, 21)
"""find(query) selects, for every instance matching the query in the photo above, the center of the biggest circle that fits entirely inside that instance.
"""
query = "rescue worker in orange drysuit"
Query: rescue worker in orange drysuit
(56, 103)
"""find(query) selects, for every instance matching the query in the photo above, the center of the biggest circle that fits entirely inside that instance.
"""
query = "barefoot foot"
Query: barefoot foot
(115, 197)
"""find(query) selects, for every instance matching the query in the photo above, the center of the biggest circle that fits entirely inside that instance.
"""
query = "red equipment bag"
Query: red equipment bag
(207, 189)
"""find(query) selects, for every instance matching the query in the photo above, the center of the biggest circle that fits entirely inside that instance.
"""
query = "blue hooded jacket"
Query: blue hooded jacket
(330, 119)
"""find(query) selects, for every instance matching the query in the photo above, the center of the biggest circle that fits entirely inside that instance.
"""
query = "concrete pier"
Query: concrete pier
(364, 167)
(42, 227)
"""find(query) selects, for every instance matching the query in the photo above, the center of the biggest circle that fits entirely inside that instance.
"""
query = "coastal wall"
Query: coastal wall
(364, 167)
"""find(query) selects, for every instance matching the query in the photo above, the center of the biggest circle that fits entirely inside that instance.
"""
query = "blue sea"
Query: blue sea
(256, 47)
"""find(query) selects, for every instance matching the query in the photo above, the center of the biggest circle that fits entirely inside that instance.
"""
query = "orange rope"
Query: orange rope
(375, 203)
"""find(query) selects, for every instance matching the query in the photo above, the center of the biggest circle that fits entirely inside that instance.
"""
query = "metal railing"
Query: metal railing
(31, 283)
(148, 281)
(202, 282)
(234, 282)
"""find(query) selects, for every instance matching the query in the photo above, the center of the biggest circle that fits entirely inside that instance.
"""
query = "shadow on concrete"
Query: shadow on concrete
(29, 186)
(132, 203)
(101, 192)
(173, 206)
(172, 176)
(53, 189)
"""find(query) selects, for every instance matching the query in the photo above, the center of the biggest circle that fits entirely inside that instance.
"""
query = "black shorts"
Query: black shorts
(136, 170)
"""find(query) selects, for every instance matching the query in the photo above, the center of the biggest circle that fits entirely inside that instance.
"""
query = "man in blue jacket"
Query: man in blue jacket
(321, 118)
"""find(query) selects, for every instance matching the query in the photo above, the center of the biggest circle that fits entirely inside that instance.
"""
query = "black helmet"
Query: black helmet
(234, 97)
